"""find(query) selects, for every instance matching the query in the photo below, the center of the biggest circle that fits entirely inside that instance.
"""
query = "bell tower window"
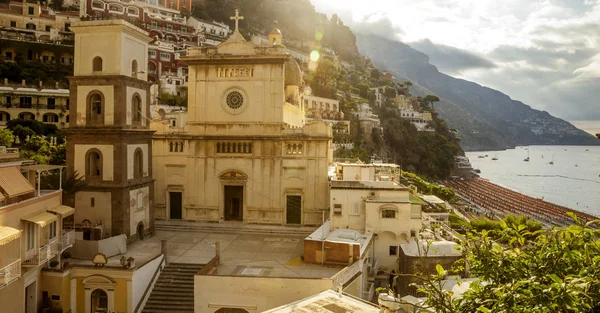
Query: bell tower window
(97, 64)
(93, 166)
(138, 164)
(134, 69)
(95, 108)
(136, 110)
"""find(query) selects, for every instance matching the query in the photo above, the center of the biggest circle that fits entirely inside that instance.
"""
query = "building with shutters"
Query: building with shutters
(35, 229)
(246, 152)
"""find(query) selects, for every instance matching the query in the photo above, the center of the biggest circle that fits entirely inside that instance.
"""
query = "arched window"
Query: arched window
(388, 213)
(136, 110)
(99, 301)
(138, 164)
(95, 108)
(97, 64)
(134, 69)
(93, 168)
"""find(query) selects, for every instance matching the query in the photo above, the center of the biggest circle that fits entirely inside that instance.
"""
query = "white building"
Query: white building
(418, 119)
(379, 95)
(210, 28)
(383, 208)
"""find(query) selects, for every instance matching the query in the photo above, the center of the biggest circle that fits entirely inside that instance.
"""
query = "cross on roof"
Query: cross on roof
(237, 19)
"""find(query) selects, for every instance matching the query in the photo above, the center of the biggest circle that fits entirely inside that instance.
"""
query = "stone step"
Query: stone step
(172, 297)
(174, 303)
(171, 306)
(169, 310)
(174, 289)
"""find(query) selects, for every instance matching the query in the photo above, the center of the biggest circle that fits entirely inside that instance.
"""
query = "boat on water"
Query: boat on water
(495, 158)
(552, 162)
(527, 158)
(481, 156)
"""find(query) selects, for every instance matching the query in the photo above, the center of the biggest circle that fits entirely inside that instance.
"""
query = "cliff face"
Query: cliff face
(485, 118)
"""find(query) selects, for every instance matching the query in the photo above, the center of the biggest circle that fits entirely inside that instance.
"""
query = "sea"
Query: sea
(572, 181)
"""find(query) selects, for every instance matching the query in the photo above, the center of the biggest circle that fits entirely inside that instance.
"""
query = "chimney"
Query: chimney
(41, 84)
(23, 82)
(6, 82)
(56, 85)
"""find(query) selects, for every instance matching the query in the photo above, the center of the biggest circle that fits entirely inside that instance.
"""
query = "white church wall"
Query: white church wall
(139, 208)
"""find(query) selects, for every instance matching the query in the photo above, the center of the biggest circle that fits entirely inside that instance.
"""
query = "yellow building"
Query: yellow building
(48, 105)
(246, 152)
(35, 229)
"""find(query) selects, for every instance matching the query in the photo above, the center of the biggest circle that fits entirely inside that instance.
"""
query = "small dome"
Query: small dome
(293, 73)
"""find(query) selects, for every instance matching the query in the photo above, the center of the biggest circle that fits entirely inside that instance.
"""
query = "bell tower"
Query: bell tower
(109, 139)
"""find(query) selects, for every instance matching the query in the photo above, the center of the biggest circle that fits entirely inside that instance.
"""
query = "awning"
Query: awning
(63, 210)
(8, 234)
(13, 182)
(42, 218)
(41, 167)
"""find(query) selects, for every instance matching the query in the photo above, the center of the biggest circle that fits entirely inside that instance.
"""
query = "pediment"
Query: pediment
(98, 279)
(233, 175)
(236, 48)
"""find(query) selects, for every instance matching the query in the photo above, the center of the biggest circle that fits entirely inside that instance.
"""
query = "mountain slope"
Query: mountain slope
(485, 118)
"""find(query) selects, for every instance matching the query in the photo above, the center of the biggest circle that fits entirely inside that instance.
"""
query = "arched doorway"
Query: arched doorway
(99, 301)
(233, 194)
(140, 231)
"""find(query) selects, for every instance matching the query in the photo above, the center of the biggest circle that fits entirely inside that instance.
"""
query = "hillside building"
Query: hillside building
(47, 105)
(327, 110)
(253, 157)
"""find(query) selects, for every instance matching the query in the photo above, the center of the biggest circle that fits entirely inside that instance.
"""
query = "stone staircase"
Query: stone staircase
(233, 228)
(174, 290)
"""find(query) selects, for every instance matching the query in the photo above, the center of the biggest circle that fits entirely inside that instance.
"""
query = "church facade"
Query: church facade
(246, 152)
(109, 141)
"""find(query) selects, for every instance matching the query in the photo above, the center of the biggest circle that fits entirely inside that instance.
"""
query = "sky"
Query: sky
(545, 53)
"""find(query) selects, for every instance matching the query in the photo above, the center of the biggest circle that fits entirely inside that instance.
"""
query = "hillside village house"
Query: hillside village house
(328, 110)
(43, 104)
(247, 152)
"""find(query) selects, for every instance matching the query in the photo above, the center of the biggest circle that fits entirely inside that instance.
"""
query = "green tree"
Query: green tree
(557, 270)
(430, 99)
(6, 138)
(71, 184)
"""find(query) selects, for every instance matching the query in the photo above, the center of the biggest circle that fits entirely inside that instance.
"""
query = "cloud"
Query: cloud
(451, 60)
(545, 53)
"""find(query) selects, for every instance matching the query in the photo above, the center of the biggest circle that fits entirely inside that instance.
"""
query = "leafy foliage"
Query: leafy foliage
(6, 138)
(554, 270)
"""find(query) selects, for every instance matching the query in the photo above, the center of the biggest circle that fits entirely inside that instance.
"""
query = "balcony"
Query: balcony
(10, 273)
(36, 257)
(66, 241)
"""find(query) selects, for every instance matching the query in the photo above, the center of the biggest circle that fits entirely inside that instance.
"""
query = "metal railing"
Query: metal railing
(67, 240)
(374, 267)
(41, 255)
(10, 273)
(369, 292)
